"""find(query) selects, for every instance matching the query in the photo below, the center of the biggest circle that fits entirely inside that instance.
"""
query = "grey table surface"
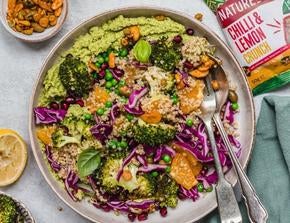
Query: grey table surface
(19, 66)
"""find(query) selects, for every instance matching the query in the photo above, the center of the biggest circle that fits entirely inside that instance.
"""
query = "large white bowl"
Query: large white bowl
(187, 211)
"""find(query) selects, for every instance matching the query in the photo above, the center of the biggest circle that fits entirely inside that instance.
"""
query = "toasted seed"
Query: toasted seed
(18, 28)
(18, 7)
(45, 6)
(37, 17)
(233, 97)
(24, 23)
(57, 12)
(160, 17)
(124, 41)
(37, 28)
(44, 22)
(56, 4)
(53, 23)
(198, 16)
(28, 31)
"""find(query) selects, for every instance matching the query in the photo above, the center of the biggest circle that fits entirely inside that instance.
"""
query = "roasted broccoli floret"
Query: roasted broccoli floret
(165, 55)
(167, 191)
(60, 139)
(74, 76)
(147, 186)
(152, 134)
(8, 209)
(109, 175)
(76, 121)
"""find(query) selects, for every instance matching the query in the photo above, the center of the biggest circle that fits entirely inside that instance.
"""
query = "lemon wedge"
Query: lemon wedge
(13, 156)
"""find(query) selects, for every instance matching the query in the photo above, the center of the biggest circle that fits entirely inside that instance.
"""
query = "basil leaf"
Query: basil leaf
(142, 51)
(89, 160)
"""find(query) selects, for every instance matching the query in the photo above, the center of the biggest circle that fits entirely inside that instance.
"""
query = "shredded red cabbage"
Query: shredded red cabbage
(125, 162)
(208, 177)
(152, 167)
(163, 150)
(71, 184)
(135, 96)
(48, 116)
(133, 206)
(117, 73)
(114, 112)
(229, 113)
(134, 111)
(142, 160)
(191, 194)
(101, 131)
(54, 165)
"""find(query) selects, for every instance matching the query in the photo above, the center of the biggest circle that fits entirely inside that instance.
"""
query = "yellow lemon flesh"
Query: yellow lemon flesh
(13, 156)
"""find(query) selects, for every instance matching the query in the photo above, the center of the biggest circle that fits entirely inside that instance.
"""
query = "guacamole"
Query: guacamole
(99, 39)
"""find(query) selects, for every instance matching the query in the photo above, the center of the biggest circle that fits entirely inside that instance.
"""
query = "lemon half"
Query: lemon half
(13, 156)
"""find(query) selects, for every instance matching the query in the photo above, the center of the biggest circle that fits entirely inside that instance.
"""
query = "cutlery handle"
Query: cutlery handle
(228, 206)
(256, 211)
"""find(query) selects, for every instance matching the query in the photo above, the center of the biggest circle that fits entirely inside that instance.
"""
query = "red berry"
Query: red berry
(163, 211)
(142, 217)
(131, 217)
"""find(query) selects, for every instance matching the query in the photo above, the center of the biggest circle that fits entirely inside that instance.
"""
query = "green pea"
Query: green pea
(113, 144)
(154, 174)
(168, 169)
(108, 104)
(109, 85)
(98, 64)
(114, 82)
(123, 144)
(101, 60)
(189, 122)
(200, 187)
(123, 52)
(94, 75)
(130, 117)
(117, 91)
(209, 189)
(175, 99)
(122, 83)
(108, 76)
(87, 116)
(100, 111)
(235, 106)
(166, 158)
(106, 59)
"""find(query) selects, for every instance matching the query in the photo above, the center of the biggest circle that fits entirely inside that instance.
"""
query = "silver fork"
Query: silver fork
(227, 204)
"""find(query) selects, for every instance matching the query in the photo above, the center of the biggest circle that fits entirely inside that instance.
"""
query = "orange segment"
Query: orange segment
(196, 166)
(44, 134)
(181, 172)
(101, 95)
(151, 117)
(191, 97)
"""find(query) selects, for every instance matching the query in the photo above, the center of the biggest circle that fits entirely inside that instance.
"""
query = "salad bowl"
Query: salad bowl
(186, 211)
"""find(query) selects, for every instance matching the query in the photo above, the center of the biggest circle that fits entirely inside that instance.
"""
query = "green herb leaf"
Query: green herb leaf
(142, 51)
(89, 160)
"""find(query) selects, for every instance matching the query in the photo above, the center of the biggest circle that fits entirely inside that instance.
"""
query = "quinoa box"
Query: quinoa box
(258, 31)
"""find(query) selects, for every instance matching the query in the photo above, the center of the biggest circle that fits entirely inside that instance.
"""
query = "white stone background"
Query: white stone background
(19, 65)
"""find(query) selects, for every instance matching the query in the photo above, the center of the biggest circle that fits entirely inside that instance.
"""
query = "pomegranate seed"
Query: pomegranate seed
(163, 211)
(104, 66)
(190, 31)
(54, 105)
(177, 39)
(131, 217)
(102, 73)
(105, 207)
(80, 102)
(64, 105)
(142, 217)
(188, 65)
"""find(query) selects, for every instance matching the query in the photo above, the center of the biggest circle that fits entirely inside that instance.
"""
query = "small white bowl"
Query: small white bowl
(35, 37)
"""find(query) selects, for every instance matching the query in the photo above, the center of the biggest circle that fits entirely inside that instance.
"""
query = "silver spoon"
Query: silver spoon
(227, 203)
(256, 211)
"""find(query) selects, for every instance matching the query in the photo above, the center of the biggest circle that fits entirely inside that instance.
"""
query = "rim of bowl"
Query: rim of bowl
(51, 32)
(135, 7)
